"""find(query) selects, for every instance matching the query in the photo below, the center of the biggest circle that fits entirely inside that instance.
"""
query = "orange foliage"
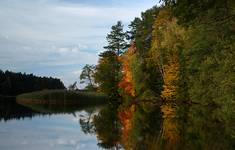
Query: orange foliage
(126, 82)
(125, 117)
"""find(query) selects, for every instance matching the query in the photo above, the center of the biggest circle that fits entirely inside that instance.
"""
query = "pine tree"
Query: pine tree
(116, 39)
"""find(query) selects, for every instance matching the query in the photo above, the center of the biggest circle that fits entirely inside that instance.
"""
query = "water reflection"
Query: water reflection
(165, 127)
(107, 128)
(9, 110)
(137, 126)
(169, 136)
(203, 129)
(24, 127)
(179, 127)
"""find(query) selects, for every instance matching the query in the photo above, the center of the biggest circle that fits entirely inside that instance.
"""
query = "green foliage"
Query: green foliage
(142, 29)
(140, 78)
(116, 39)
(202, 11)
(107, 73)
(211, 68)
(134, 29)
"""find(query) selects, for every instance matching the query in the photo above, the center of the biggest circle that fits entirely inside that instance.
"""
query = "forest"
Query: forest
(178, 54)
(12, 84)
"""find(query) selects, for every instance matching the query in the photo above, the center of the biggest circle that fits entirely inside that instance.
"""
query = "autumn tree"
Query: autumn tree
(126, 83)
(168, 40)
(108, 69)
(146, 77)
(184, 52)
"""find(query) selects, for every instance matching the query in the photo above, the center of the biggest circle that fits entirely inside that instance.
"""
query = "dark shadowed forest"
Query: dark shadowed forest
(12, 84)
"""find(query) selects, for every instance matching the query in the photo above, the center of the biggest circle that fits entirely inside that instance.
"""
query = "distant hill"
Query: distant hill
(12, 84)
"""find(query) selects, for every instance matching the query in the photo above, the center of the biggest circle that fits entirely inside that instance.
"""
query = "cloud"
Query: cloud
(67, 142)
(26, 48)
(58, 132)
(101, 12)
(77, 72)
(56, 37)
(68, 50)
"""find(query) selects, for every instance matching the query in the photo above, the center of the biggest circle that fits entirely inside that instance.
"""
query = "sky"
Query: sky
(58, 37)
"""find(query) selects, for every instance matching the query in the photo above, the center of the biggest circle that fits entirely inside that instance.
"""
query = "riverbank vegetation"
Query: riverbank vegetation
(62, 97)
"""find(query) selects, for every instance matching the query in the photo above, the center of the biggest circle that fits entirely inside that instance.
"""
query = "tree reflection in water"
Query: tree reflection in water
(165, 127)
(144, 126)
(107, 128)
(169, 134)
(9, 110)
(86, 122)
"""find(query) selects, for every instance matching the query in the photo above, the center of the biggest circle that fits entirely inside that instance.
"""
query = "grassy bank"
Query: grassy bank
(62, 97)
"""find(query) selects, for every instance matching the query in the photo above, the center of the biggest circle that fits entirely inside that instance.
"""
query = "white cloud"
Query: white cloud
(26, 48)
(45, 36)
(66, 142)
(77, 72)
(68, 50)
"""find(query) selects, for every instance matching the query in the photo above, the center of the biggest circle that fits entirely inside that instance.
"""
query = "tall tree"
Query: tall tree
(116, 39)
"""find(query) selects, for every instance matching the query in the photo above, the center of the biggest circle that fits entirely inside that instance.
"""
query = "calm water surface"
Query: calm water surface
(22, 128)
(140, 126)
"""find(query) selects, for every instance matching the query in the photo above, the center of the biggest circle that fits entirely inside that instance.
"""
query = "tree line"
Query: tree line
(171, 53)
(12, 84)
(181, 52)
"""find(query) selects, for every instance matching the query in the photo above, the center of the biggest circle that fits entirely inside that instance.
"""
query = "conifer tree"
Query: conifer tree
(116, 39)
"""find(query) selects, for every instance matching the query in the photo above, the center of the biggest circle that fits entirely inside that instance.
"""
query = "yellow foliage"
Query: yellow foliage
(170, 78)
(167, 37)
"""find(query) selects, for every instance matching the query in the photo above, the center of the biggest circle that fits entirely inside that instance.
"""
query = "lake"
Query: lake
(23, 128)
(140, 126)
